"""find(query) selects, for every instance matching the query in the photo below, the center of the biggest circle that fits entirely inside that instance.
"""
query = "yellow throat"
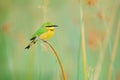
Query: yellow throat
(47, 34)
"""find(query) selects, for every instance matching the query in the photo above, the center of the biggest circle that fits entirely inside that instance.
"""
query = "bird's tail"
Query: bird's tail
(27, 47)
(33, 42)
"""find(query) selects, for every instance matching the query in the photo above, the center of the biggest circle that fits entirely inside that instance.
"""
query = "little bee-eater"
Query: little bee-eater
(45, 32)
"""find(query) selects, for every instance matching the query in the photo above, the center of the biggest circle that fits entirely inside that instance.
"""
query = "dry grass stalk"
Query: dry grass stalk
(58, 58)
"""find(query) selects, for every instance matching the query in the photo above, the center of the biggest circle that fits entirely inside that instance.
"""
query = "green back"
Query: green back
(42, 29)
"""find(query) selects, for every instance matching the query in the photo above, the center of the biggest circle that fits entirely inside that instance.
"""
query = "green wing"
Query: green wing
(40, 31)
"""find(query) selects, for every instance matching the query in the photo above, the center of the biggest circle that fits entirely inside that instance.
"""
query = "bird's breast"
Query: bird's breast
(47, 34)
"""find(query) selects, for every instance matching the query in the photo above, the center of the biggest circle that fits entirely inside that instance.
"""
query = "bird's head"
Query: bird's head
(50, 25)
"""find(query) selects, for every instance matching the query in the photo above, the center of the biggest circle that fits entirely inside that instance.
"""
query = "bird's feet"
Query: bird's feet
(44, 41)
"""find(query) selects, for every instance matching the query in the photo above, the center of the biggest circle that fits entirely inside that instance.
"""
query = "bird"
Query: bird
(45, 32)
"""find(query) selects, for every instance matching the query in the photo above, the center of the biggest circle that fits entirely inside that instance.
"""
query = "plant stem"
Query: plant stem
(84, 53)
(58, 58)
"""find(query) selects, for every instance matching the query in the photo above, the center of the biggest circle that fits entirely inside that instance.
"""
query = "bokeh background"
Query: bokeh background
(87, 39)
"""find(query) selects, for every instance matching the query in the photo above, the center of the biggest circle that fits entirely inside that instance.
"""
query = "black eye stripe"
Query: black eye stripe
(52, 26)
(48, 26)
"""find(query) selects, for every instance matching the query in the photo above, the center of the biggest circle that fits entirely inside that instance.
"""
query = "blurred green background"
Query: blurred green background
(19, 19)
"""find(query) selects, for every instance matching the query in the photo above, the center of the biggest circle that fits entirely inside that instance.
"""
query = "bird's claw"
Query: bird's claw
(44, 40)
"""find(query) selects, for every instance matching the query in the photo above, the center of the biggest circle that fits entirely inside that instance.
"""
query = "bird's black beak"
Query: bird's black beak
(55, 25)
